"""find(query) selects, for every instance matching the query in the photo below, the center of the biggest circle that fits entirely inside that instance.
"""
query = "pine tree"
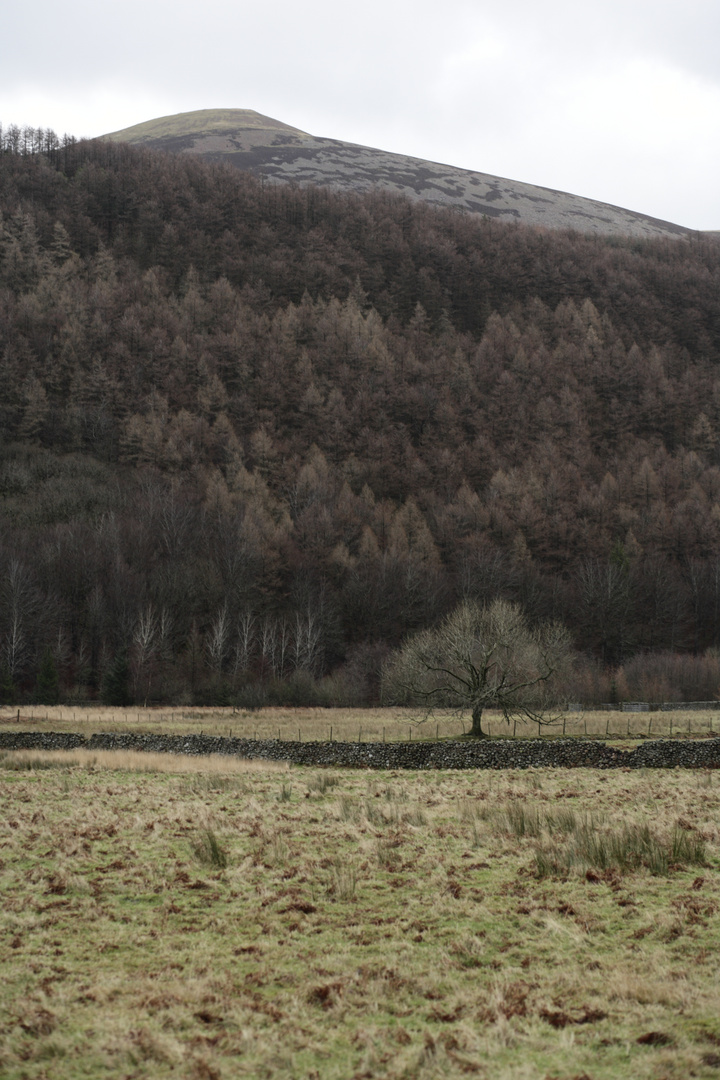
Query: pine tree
(115, 689)
(47, 685)
(7, 686)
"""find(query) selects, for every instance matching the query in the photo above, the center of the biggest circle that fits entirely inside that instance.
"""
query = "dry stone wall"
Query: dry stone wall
(490, 754)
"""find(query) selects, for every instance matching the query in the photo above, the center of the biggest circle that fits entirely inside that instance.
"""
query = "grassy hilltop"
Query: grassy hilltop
(277, 151)
(208, 122)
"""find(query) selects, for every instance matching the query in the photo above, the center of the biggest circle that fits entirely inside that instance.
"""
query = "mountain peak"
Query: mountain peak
(239, 128)
(281, 153)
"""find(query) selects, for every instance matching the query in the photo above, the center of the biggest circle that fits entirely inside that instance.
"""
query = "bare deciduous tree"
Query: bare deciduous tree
(282, 647)
(165, 627)
(245, 643)
(144, 645)
(218, 639)
(480, 657)
(268, 643)
(19, 604)
(307, 641)
(605, 596)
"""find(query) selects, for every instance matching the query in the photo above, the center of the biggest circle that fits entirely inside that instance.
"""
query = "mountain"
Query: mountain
(252, 434)
(279, 152)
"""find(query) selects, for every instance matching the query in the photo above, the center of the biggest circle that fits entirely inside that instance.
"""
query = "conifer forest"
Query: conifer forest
(253, 435)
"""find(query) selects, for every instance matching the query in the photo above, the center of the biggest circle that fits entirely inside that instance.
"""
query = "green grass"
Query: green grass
(200, 122)
(399, 925)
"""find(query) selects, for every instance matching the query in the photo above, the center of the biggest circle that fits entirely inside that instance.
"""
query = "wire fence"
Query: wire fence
(631, 720)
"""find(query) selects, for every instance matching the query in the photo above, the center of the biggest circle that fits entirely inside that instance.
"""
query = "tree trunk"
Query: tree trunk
(476, 728)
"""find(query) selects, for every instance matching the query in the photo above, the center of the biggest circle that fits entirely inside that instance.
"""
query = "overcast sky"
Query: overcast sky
(617, 101)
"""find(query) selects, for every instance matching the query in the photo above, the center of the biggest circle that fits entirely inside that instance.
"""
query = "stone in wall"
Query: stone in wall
(490, 754)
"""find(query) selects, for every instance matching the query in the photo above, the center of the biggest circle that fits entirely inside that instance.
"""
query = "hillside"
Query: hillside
(251, 435)
(275, 151)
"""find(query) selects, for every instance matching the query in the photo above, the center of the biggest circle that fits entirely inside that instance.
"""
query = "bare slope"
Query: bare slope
(248, 140)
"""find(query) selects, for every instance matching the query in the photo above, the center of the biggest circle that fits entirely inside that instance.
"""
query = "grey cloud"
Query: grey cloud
(402, 78)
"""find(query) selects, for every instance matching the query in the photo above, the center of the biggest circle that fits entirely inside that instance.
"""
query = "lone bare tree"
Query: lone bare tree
(480, 657)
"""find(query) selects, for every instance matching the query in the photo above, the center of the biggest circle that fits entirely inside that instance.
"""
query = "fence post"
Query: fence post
(671, 723)
(563, 723)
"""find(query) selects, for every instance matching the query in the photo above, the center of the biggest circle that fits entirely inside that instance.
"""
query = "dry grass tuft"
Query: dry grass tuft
(135, 761)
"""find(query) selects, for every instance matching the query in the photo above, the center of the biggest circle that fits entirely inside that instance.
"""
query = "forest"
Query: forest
(252, 435)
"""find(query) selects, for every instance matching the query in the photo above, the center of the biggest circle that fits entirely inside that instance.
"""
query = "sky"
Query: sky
(617, 101)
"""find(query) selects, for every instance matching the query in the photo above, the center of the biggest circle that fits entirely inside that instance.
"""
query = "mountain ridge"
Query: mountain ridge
(281, 153)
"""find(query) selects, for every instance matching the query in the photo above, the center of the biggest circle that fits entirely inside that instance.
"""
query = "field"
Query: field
(210, 918)
(350, 725)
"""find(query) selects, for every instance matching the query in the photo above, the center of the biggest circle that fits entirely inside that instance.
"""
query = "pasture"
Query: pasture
(352, 724)
(211, 918)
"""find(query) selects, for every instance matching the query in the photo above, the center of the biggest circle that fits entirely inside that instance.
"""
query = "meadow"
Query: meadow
(352, 724)
(213, 918)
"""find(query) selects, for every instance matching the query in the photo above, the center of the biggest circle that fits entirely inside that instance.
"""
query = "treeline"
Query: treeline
(324, 419)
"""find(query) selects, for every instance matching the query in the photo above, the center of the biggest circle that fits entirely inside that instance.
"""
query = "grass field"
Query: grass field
(368, 725)
(210, 918)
